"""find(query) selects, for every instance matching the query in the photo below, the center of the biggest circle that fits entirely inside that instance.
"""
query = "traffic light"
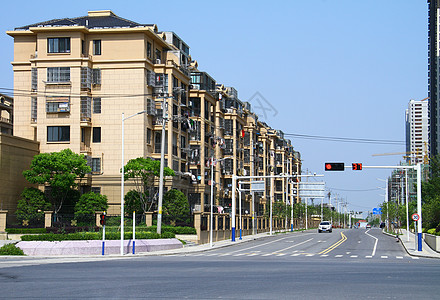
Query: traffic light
(356, 166)
(334, 166)
(102, 219)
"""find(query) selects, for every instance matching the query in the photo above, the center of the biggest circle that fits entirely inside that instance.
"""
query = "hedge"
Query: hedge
(95, 236)
(10, 249)
(25, 230)
(172, 229)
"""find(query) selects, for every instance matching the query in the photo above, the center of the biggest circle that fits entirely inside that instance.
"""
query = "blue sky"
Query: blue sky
(335, 68)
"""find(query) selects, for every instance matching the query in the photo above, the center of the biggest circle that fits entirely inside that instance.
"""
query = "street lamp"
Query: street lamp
(122, 178)
(386, 200)
(214, 161)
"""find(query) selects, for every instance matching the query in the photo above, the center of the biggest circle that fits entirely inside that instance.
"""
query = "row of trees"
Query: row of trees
(62, 173)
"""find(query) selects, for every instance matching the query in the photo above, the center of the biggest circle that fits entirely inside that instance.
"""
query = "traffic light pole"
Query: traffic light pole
(418, 169)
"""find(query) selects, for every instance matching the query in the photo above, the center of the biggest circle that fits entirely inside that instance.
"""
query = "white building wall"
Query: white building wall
(417, 124)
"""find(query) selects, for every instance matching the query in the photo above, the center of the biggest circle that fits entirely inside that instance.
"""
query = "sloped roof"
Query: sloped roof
(107, 21)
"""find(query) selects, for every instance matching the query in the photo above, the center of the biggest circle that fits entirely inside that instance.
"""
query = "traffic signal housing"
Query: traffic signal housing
(334, 166)
(102, 219)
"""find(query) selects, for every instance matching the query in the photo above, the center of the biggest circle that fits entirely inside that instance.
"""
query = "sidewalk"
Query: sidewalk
(206, 247)
(411, 246)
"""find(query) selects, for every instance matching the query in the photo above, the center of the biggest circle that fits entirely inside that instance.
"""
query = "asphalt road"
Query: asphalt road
(349, 264)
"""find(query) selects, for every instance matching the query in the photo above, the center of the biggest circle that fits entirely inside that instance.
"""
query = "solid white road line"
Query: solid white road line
(375, 244)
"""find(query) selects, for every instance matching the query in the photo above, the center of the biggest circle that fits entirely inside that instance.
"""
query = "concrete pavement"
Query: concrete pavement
(409, 243)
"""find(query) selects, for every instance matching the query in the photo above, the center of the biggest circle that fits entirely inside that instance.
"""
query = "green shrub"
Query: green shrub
(25, 230)
(88, 204)
(95, 236)
(32, 205)
(10, 249)
(431, 231)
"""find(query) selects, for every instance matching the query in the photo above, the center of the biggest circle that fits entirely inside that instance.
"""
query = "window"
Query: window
(86, 78)
(96, 105)
(96, 189)
(34, 80)
(58, 133)
(96, 165)
(34, 109)
(96, 135)
(148, 136)
(58, 45)
(58, 74)
(86, 108)
(96, 76)
(148, 49)
(158, 56)
(57, 104)
(96, 47)
(83, 47)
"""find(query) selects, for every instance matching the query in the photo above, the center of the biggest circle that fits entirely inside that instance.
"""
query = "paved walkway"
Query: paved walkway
(409, 243)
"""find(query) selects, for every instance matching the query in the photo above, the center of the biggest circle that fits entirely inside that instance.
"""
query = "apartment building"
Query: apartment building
(6, 114)
(82, 77)
(417, 131)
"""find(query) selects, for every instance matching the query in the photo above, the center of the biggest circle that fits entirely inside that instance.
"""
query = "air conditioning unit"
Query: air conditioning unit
(158, 61)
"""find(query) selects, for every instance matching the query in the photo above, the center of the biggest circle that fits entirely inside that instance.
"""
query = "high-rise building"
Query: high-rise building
(417, 131)
(433, 76)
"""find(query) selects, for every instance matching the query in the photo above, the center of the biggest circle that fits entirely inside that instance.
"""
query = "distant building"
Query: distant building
(417, 131)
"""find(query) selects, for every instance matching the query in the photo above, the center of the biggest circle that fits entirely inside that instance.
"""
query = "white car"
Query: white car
(325, 226)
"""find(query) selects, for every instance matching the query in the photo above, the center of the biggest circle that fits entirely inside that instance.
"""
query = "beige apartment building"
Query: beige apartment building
(78, 77)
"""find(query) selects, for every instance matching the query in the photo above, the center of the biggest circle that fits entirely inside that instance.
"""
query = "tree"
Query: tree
(32, 205)
(89, 204)
(143, 171)
(176, 207)
(60, 171)
(132, 201)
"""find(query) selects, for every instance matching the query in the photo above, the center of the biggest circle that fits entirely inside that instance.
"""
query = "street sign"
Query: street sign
(377, 211)
(312, 189)
(258, 186)
(415, 217)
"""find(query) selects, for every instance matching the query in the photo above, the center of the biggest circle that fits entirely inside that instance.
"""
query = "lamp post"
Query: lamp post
(213, 161)
(122, 177)
(162, 162)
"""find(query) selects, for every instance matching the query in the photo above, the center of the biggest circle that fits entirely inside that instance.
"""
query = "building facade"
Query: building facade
(417, 131)
(433, 76)
(84, 76)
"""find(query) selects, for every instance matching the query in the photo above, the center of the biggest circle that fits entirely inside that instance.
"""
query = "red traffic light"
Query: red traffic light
(334, 167)
(356, 166)
(102, 219)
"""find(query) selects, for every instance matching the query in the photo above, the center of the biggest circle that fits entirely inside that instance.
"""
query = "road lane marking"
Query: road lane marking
(324, 255)
(413, 257)
(335, 245)
(354, 256)
(277, 240)
(282, 250)
(368, 256)
(339, 255)
(375, 244)
(384, 256)
(399, 257)
(296, 254)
